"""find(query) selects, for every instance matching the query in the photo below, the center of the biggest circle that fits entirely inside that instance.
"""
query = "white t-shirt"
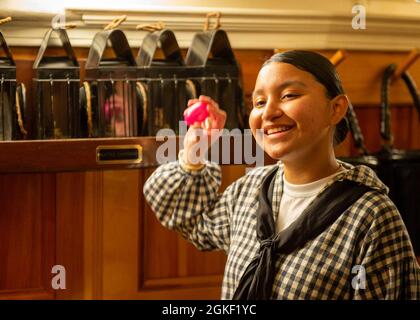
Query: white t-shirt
(296, 197)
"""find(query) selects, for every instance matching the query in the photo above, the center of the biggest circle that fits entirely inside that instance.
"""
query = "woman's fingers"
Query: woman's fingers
(214, 122)
(194, 136)
(210, 129)
(207, 99)
(217, 116)
(189, 104)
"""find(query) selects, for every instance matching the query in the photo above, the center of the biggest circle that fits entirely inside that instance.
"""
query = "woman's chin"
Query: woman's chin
(277, 154)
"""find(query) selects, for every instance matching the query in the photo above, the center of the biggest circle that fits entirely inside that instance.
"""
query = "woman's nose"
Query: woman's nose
(272, 110)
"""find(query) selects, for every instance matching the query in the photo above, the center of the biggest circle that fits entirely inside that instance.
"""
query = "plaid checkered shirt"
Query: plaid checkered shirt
(365, 254)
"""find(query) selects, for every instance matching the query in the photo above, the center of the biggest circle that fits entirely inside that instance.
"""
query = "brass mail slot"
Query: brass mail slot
(121, 154)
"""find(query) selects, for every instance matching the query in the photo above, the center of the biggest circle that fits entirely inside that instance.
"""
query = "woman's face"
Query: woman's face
(293, 110)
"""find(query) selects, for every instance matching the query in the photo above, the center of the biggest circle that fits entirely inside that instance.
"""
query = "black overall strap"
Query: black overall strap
(257, 280)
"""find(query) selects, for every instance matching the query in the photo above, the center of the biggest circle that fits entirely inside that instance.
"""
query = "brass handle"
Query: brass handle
(338, 57)
(5, 20)
(67, 26)
(115, 23)
(217, 25)
(411, 58)
(151, 27)
(119, 154)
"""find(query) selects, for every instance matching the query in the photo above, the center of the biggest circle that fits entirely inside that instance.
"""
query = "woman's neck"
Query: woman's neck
(311, 167)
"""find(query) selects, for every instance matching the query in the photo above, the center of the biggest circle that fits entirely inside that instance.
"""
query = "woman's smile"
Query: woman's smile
(278, 131)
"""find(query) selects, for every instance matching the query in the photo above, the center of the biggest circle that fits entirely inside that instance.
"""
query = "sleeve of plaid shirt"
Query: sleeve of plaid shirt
(387, 257)
(189, 202)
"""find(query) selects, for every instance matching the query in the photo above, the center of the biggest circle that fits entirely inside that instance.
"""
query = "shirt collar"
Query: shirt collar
(360, 174)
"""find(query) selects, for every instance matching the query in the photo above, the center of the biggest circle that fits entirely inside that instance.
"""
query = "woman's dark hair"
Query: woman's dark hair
(324, 72)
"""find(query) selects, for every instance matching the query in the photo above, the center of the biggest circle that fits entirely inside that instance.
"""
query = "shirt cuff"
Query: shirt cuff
(189, 167)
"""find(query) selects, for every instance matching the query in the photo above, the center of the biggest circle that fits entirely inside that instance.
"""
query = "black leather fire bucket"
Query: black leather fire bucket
(108, 97)
(213, 68)
(56, 83)
(12, 97)
(163, 81)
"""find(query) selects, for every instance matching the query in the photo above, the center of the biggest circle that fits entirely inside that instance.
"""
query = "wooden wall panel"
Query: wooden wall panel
(159, 254)
(70, 199)
(27, 233)
(361, 74)
(93, 235)
(94, 224)
(198, 263)
(121, 191)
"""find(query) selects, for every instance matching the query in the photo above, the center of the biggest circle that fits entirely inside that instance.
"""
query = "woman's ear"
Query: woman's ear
(339, 105)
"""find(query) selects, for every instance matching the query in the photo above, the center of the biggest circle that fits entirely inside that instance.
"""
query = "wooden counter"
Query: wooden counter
(72, 154)
(60, 207)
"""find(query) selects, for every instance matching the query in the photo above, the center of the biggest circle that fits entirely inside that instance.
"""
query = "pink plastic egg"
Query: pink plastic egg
(196, 113)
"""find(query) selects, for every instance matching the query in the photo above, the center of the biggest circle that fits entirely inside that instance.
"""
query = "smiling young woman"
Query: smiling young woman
(298, 116)
(300, 228)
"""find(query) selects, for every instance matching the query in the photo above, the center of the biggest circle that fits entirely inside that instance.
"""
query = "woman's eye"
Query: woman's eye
(259, 103)
(289, 96)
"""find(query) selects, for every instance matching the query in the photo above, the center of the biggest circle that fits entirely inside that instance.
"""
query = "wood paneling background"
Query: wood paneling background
(98, 226)
(27, 235)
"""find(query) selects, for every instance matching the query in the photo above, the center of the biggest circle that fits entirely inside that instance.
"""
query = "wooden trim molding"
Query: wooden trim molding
(29, 294)
(183, 282)
(323, 26)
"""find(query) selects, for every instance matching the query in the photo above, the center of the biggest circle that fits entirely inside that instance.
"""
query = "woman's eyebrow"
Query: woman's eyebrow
(289, 83)
(283, 86)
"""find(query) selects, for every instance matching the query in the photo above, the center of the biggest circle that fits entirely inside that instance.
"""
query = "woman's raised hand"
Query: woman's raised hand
(210, 130)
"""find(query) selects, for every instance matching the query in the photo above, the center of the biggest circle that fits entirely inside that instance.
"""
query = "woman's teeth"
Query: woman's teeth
(278, 129)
